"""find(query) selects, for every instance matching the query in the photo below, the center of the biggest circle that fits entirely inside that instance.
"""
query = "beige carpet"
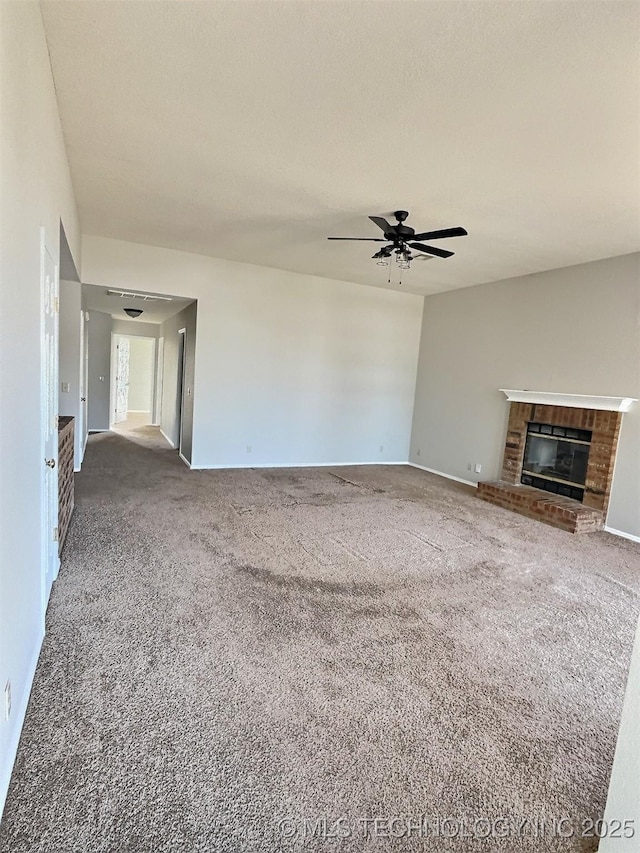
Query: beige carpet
(132, 422)
(234, 657)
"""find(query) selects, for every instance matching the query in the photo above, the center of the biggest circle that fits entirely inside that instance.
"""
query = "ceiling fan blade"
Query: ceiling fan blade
(370, 239)
(440, 235)
(431, 250)
(382, 223)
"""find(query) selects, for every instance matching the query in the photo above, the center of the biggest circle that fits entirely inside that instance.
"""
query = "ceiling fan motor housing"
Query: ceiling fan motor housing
(400, 229)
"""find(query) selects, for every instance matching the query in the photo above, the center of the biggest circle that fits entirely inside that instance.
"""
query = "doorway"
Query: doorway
(168, 330)
(177, 381)
(134, 385)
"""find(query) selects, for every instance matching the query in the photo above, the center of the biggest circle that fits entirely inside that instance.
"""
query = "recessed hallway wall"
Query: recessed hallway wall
(99, 372)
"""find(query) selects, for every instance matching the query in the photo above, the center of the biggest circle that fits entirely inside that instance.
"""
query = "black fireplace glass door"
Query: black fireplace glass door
(556, 458)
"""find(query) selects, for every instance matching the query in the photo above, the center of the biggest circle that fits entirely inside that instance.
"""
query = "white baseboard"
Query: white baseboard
(621, 533)
(186, 461)
(291, 465)
(91, 431)
(168, 440)
(442, 474)
(138, 412)
(18, 722)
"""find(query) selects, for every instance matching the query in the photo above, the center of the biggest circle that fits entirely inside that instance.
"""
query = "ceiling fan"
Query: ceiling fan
(402, 238)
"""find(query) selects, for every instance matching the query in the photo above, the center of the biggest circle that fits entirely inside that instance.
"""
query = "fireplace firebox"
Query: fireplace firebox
(556, 459)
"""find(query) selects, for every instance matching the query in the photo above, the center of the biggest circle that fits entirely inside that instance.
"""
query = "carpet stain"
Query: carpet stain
(305, 584)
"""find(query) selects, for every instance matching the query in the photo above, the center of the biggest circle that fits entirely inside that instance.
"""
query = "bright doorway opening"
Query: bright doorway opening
(134, 381)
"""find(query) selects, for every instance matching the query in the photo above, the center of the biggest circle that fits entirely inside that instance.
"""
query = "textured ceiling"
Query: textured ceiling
(253, 130)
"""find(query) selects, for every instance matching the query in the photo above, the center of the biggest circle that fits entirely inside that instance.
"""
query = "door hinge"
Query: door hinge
(56, 421)
(55, 534)
(56, 304)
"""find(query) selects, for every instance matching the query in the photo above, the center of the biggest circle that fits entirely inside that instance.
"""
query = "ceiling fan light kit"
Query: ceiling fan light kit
(403, 238)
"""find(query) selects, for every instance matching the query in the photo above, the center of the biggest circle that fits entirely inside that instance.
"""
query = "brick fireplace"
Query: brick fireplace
(558, 459)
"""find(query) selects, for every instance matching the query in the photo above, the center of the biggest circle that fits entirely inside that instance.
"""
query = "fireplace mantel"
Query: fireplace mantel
(575, 401)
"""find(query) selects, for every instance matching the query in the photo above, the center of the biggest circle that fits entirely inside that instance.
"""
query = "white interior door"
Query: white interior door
(49, 409)
(122, 380)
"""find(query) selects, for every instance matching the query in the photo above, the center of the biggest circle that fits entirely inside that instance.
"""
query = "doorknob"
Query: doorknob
(50, 462)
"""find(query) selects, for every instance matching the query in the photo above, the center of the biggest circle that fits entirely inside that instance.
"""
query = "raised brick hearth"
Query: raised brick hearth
(568, 514)
(553, 509)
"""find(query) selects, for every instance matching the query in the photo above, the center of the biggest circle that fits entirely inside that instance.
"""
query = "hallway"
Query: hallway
(227, 649)
(137, 427)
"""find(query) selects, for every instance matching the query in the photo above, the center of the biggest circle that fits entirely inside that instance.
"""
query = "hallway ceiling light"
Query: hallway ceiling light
(126, 294)
(133, 312)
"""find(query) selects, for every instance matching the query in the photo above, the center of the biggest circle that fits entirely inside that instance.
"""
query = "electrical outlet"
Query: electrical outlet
(65, 387)
(7, 700)
(478, 467)
(248, 448)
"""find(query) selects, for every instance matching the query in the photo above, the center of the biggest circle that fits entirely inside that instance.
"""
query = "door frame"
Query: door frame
(159, 378)
(83, 385)
(182, 362)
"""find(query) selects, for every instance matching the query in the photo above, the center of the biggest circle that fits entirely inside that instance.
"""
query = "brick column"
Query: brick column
(519, 417)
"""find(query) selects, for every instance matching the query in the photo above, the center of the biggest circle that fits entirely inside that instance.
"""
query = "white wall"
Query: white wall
(135, 327)
(302, 369)
(141, 374)
(70, 360)
(99, 373)
(36, 191)
(573, 330)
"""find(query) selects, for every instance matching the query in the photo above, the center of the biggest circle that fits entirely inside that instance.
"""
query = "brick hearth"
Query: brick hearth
(566, 513)
(553, 509)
